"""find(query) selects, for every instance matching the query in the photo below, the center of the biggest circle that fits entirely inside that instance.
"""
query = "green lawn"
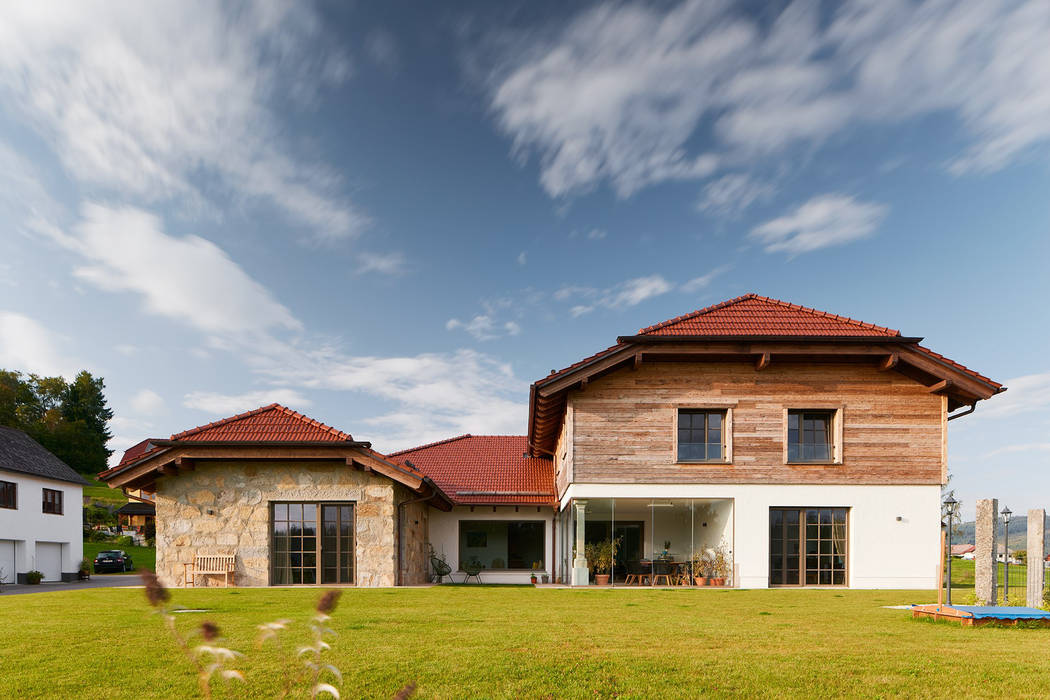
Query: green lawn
(98, 491)
(963, 581)
(521, 642)
(142, 557)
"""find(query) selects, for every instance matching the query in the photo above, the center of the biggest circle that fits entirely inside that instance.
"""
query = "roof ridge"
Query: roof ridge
(431, 444)
(768, 300)
(262, 409)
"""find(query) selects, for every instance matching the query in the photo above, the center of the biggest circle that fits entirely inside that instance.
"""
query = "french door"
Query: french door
(311, 543)
(807, 546)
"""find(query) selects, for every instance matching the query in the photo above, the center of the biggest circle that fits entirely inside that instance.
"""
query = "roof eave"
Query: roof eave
(647, 338)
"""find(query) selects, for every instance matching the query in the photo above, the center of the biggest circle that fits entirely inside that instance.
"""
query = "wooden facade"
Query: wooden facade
(620, 427)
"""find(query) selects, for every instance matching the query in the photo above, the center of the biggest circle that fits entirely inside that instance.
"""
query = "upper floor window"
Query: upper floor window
(8, 491)
(810, 436)
(53, 501)
(701, 435)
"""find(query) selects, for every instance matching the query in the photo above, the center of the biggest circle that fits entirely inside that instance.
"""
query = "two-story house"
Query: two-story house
(41, 512)
(798, 447)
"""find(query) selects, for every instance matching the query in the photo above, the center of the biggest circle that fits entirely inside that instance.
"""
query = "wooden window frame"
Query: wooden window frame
(56, 502)
(318, 537)
(727, 432)
(802, 547)
(14, 494)
(837, 412)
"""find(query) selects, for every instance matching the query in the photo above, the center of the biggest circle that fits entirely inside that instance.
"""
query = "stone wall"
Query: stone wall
(223, 507)
(1036, 552)
(415, 528)
(986, 539)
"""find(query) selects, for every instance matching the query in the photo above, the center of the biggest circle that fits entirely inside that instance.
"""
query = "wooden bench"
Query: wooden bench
(210, 564)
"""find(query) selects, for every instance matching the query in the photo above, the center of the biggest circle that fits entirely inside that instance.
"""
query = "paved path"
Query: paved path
(109, 581)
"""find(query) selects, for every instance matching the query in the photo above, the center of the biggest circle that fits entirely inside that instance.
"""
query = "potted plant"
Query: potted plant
(84, 572)
(535, 565)
(601, 555)
(33, 577)
(667, 546)
(720, 565)
(545, 577)
(698, 564)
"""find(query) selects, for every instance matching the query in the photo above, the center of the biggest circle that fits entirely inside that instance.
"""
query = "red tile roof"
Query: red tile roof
(753, 315)
(137, 450)
(956, 365)
(484, 469)
(273, 423)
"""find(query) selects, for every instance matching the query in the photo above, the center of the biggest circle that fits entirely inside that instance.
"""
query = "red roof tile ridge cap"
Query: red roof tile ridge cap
(828, 314)
(698, 312)
(430, 444)
(312, 421)
(222, 421)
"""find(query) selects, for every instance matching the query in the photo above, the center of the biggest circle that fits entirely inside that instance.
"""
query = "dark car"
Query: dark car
(112, 560)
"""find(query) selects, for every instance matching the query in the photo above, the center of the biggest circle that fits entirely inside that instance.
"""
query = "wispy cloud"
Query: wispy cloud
(147, 402)
(484, 327)
(703, 281)
(730, 195)
(623, 295)
(617, 94)
(138, 100)
(826, 220)
(27, 345)
(393, 263)
(230, 404)
(1026, 394)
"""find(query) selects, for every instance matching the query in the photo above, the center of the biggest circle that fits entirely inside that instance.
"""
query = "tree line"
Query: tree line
(70, 419)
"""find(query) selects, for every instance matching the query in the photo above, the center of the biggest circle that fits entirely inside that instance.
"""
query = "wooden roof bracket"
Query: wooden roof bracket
(763, 361)
(890, 362)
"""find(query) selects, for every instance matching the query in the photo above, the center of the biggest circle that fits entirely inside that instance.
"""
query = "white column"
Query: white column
(580, 574)
(986, 563)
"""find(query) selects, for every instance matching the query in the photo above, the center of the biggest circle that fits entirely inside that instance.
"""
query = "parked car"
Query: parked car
(111, 560)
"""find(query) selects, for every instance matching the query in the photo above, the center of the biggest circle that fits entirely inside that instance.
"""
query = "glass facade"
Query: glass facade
(656, 540)
(502, 545)
(807, 546)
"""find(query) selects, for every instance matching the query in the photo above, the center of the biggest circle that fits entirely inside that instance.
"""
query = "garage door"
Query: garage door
(49, 560)
(7, 561)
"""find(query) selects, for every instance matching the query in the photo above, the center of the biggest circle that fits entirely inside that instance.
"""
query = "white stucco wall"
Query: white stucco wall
(28, 524)
(884, 552)
(444, 536)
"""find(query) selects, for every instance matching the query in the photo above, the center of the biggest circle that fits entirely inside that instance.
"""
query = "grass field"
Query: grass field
(98, 491)
(142, 557)
(521, 642)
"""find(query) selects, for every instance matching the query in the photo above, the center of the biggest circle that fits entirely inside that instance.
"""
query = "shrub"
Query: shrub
(124, 541)
(34, 577)
(85, 565)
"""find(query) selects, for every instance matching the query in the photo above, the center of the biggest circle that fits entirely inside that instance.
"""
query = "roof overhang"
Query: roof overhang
(176, 457)
(547, 397)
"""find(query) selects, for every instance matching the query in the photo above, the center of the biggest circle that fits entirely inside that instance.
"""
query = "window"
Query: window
(809, 436)
(8, 494)
(312, 543)
(501, 544)
(701, 435)
(807, 546)
(52, 501)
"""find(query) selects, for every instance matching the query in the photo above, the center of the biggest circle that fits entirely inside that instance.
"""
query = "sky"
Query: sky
(395, 216)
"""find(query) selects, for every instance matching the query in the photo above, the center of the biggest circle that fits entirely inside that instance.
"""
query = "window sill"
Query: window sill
(813, 464)
(705, 462)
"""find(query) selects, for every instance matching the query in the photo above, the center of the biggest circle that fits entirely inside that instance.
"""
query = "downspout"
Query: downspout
(971, 409)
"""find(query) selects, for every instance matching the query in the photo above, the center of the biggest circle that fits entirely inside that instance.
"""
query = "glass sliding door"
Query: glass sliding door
(807, 546)
(311, 543)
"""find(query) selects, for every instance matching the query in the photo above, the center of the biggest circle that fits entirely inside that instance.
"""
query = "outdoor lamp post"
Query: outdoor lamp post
(1006, 553)
(950, 506)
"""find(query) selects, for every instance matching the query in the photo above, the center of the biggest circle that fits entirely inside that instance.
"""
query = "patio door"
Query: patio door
(807, 546)
(312, 543)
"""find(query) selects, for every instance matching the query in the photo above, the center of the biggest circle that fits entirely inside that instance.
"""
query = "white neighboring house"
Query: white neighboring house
(41, 511)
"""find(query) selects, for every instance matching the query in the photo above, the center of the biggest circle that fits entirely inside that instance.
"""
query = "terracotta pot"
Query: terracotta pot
(718, 582)
(700, 580)
(533, 580)
(601, 579)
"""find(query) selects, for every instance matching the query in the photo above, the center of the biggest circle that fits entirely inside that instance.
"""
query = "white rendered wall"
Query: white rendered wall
(444, 537)
(28, 524)
(884, 552)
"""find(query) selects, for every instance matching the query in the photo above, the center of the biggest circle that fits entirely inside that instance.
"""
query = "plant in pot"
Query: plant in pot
(535, 565)
(721, 564)
(698, 564)
(33, 577)
(84, 572)
(601, 555)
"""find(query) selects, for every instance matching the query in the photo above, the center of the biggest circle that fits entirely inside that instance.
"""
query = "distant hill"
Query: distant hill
(964, 533)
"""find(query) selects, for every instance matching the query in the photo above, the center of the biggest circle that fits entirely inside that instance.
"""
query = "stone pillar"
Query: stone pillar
(987, 542)
(580, 574)
(1035, 556)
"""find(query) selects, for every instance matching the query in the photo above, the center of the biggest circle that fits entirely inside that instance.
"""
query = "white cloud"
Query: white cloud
(596, 234)
(826, 220)
(1025, 394)
(381, 49)
(618, 93)
(126, 349)
(620, 296)
(140, 99)
(188, 279)
(232, 404)
(730, 195)
(383, 263)
(484, 327)
(703, 281)
(147, 402)
(27, 346)
(522, 258)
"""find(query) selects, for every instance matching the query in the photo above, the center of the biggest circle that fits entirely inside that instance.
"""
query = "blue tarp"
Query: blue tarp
(1003, 612)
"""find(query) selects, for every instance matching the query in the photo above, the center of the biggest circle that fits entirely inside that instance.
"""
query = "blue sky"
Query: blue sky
(395, 216)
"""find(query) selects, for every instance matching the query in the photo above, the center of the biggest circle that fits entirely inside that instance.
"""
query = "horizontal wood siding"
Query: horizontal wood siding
(622, 424)
(563, 453)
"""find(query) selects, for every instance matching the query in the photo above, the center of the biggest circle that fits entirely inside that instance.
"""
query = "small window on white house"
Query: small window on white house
(8, 494)
(810, 436)
(701, 435)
